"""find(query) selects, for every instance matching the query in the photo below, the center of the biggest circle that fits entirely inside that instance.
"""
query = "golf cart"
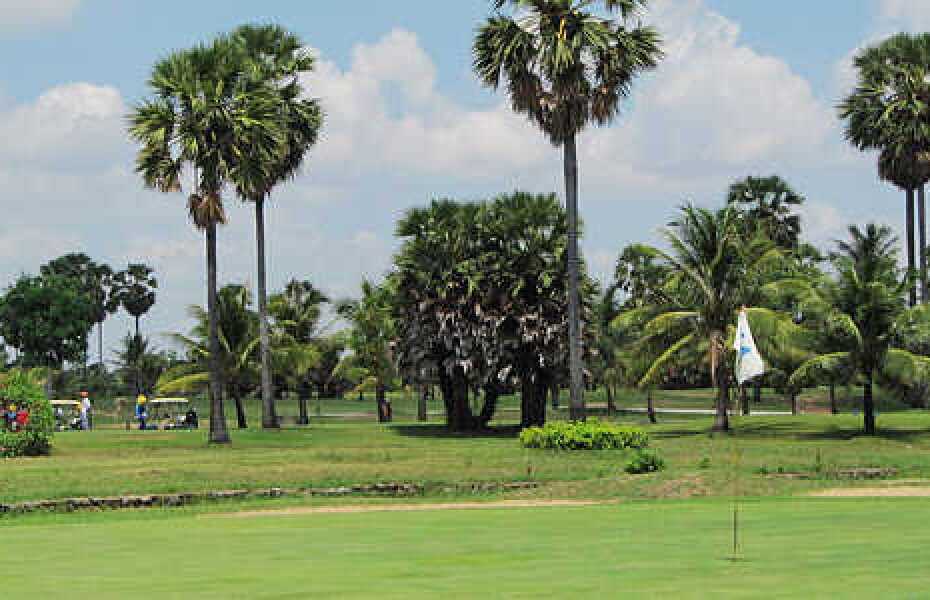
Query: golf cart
(67, 414)
(175, 413)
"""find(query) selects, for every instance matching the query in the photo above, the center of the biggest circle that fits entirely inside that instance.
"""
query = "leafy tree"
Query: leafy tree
(566, 65)
(237, 328)
(47, 319)
(860, 309)
(370, 338)
(889, 110)
(207, 117)
(140, 365)
(134, 289)
(641, 275)
(276, 58)
(769, 206)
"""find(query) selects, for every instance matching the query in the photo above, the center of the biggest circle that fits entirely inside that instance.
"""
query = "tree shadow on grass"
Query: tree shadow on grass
(790, 430)
(443, 432)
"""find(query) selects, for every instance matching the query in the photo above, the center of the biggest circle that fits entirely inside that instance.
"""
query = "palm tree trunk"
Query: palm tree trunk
(241, 420)
(744, 399)
(757, 393)
(269, 417)
(912, 290)
(610, 400)
(722, 417)
(554, 393)
(421, 405)
(793, 400)
(650, 406)
(868, 407)
(384, 408)
(833, 408)
(922, 243)
(100, 345)
(303, 417)
(576, 386)
(218, 431)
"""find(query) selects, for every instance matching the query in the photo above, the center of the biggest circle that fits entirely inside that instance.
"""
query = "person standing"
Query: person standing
(140, 411)
(85, 411)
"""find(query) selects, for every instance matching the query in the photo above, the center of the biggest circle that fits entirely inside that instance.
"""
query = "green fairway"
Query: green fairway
(753, 457)
(792, 549)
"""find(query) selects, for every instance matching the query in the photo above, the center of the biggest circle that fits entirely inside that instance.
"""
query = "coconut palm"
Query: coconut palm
(713, 273)
(276, 58)
(890, 108)
(237, 328)
(201, 120)
(770, 205)
(566, 63)
(861, 310)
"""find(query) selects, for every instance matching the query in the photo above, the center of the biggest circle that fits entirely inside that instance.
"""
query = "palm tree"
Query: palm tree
(275, 58)
(237, 329)
(566, 66)
(713, 273)
(201, 120)
(889, 110)
(135, 290)
(770, 205)
(860, 310)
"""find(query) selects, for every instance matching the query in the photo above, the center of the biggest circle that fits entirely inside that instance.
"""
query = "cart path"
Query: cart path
(903, 491)
(366, 508)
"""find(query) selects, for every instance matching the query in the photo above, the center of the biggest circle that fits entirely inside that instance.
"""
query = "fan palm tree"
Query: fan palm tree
(565, 66)
(276, 58)
(890, 109)
(203, 121)
(770, 205)
(713, 273)
(861, 310)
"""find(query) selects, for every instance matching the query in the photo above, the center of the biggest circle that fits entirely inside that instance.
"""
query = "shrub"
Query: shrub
(592, 435)
(21, 389)
(644, 461)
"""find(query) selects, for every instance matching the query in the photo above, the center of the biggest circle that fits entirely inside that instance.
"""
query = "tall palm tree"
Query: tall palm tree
(565, 66)
(770, 205)
(274, 57)
(201, 121)
(860, 310)
(890, 108)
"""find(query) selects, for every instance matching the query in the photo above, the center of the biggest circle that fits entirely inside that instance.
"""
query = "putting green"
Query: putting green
(792, 548)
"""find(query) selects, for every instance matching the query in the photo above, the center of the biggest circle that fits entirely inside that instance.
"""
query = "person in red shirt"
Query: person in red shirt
(22, 418)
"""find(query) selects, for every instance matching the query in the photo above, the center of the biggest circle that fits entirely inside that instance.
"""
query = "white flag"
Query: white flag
(748, 362)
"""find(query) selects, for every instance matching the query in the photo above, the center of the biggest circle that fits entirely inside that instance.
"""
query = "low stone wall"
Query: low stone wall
(390, 489)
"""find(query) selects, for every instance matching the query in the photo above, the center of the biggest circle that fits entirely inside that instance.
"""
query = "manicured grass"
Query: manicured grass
(111, 462)
(791, 549)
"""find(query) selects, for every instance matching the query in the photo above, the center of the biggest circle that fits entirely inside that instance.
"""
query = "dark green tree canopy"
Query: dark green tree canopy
(135, 289)
(769, 207)
(47, 319)
(95, 281)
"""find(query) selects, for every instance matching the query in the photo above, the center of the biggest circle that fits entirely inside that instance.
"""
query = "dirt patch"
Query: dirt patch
(311, 510)
(903, 491)
(686, 487)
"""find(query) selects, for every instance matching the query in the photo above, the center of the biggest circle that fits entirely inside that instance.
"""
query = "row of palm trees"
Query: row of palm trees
(231, 113)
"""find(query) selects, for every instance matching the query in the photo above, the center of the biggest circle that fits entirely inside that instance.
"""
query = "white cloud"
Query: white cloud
(17, 14)
(72, 124)
(910, 15)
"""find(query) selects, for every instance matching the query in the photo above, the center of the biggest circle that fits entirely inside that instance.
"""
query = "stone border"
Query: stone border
(390, 489)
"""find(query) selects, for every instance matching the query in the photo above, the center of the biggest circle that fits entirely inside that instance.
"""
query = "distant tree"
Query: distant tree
(769, 206)
(861, 309)
(47, 319)
(134, 289)
(641, 274)
(370, 338)
(139, 364)
(238, 355)
(95, 281)
(566, 64)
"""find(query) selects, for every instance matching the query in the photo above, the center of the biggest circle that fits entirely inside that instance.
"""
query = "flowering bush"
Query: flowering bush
(591, 435)
(35, 438)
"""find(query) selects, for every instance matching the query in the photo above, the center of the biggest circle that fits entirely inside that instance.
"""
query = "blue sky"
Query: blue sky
(748, 87)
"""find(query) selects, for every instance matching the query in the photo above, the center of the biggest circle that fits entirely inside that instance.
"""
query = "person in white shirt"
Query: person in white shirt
(85, 410)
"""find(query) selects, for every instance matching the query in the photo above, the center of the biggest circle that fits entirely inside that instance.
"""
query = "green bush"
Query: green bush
(644, 461)
(20, 388)
(591, 435)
